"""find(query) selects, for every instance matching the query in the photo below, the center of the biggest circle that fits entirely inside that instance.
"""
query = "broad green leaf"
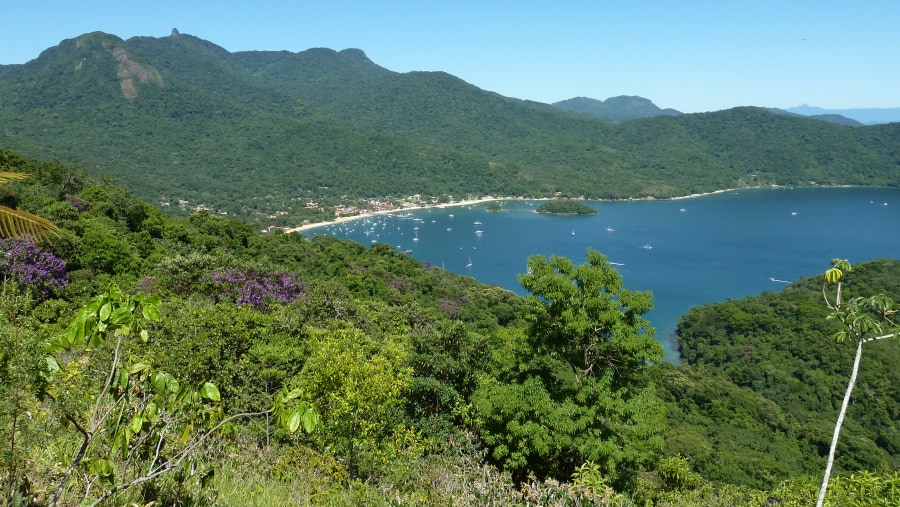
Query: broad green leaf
(310, 419)
(151, 412)
(137, 367)
(136, 423)
(294, 421)
(52, 365)
(92, 307)
(144, 335)
(105, 310)
(121, 317)
(293, 394)
(210, 391)
(161, 381)
(102, 467)
(120, 442)
(150, 312)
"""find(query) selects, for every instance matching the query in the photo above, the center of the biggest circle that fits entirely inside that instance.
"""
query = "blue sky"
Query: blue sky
(688, 55)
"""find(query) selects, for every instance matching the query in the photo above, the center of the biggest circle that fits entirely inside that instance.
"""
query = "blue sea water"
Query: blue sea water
(687, 252)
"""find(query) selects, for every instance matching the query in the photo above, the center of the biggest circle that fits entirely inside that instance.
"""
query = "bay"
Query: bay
(687, 252)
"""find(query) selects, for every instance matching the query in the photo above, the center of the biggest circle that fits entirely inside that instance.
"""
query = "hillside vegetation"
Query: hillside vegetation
(255, 133)
(289, 370)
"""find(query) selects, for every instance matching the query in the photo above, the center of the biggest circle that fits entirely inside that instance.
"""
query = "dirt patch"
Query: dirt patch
(130, 70)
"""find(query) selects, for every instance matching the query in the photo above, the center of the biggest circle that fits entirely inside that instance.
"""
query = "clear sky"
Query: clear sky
(684, 54)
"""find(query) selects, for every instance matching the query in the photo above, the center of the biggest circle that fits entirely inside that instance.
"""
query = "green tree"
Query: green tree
(864, 319)
(578, 390)
(357, 385)
(585, 316)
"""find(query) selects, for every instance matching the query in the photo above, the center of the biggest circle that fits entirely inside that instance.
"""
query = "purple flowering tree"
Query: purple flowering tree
(257, 288)
(24, 262)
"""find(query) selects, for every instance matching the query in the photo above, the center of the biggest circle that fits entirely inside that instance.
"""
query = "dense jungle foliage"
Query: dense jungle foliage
(566, 207)
(256, 133)
(414, 386)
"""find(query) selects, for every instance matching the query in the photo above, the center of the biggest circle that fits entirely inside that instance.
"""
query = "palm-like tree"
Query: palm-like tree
(15, 223)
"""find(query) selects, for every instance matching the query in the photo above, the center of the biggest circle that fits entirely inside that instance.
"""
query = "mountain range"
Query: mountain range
(619, 108)
(178, 118)
(866, 116)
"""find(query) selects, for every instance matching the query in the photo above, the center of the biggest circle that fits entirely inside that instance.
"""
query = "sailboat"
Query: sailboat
(469, 265)
(573, 232)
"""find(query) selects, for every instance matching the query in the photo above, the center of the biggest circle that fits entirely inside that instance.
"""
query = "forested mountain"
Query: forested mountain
(832, 118)
(616, 108)
(257, 132)
(867, 116)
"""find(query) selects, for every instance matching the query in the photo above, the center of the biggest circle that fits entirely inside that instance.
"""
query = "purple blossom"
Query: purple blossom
(78, 204)
(24, 262)
(256, 288)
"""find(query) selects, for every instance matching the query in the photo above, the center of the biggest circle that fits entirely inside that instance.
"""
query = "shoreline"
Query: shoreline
(350, 218)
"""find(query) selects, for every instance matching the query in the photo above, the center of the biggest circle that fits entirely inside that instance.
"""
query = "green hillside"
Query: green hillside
(253, 133)
(194, 361)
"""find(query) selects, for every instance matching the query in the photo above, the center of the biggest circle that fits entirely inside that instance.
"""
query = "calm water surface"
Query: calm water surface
(687, 252)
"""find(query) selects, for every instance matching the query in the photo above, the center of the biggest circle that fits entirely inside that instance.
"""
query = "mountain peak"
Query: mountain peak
(619, 108)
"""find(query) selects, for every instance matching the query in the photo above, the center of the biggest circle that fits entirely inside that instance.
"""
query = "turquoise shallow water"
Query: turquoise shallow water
(687, 252)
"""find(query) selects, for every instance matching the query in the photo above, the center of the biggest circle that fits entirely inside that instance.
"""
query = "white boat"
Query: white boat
(648, 246)
(573, 232)
(477, 222)
(469, 265)
(479, 232)
(610, 229)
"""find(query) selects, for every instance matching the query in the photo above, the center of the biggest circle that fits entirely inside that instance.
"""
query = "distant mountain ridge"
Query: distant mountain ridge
(619, 108)
(830, 118)
(256, 132)
(866, 116)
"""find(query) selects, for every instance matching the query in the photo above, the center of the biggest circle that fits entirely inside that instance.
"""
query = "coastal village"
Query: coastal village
(329, 213)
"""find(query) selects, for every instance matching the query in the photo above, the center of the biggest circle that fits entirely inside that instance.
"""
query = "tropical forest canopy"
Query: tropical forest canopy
(277, 137)
(566, 207)
(239, 365)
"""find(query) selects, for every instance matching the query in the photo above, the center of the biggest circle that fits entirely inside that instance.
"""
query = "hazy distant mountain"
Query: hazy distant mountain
(619, 108)
(867, 116)
(830, 118)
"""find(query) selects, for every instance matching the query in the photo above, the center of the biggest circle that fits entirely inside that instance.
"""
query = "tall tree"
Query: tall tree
(579, 392)
(864, 319)
(585, 316)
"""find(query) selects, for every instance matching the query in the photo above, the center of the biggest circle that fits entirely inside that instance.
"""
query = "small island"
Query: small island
(494, 206)
(565, 207)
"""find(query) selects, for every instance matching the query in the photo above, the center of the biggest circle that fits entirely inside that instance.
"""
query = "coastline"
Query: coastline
(350, 218)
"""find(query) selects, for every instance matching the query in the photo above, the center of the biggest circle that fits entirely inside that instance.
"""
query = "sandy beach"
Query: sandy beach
(350, 218)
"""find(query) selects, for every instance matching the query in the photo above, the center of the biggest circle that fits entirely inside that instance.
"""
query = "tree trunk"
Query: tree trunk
(840, 421)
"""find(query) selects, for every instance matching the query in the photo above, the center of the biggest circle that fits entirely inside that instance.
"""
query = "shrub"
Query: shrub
(30, 266)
